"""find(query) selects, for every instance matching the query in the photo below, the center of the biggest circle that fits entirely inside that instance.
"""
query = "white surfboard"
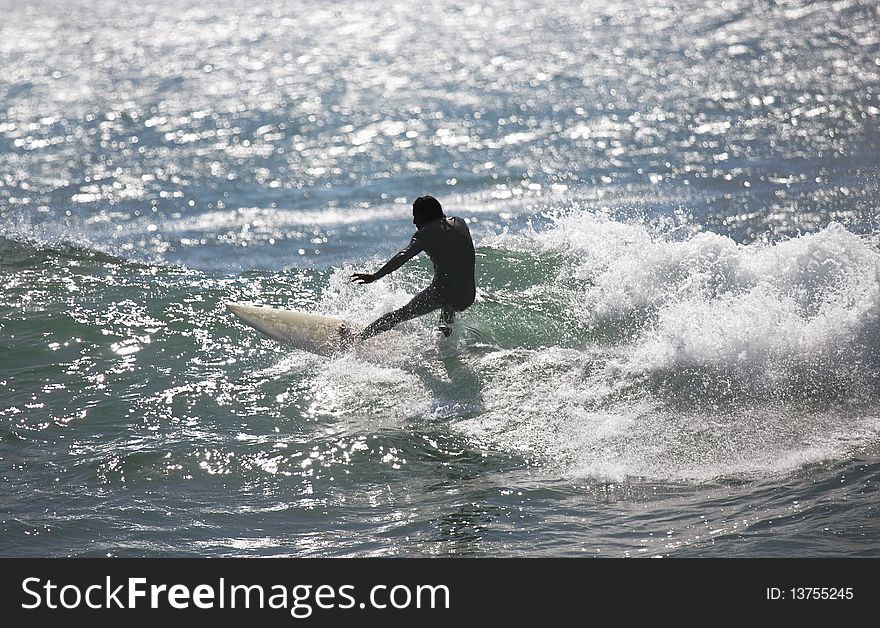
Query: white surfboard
(323, 335)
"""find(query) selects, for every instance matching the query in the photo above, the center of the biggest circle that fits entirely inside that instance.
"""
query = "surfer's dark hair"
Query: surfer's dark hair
(427, 207)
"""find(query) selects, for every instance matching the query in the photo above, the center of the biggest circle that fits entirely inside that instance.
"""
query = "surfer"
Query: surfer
(451, 249)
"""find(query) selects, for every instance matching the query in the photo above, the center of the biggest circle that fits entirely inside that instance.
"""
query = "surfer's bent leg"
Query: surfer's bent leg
(425, 301)
(454, 300)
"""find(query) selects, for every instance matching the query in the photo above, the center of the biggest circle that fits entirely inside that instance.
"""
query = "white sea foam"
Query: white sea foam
(707, 301)
(744, 359)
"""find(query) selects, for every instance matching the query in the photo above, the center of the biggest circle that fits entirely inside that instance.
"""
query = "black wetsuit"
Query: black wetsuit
(449, 244)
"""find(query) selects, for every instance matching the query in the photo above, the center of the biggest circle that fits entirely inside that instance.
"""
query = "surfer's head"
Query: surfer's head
(426, 209)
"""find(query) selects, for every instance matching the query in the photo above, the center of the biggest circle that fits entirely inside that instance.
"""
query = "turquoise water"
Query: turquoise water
(674, 351)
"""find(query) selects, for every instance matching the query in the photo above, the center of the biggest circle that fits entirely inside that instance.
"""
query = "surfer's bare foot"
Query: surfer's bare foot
(442, 333)
(346, 336)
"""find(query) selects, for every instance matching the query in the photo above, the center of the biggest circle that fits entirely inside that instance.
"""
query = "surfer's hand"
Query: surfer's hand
(363, 278)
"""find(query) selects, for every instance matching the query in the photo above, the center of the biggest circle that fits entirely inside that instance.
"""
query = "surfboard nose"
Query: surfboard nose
(240, 308)
(248, 312)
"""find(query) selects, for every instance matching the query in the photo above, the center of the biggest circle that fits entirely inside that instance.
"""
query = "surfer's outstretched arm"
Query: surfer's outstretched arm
(413, 248)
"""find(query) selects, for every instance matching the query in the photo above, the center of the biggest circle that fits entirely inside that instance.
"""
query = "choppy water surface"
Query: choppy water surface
(676, 345)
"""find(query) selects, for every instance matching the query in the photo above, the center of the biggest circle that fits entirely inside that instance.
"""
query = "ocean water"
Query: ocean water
(675, 349)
